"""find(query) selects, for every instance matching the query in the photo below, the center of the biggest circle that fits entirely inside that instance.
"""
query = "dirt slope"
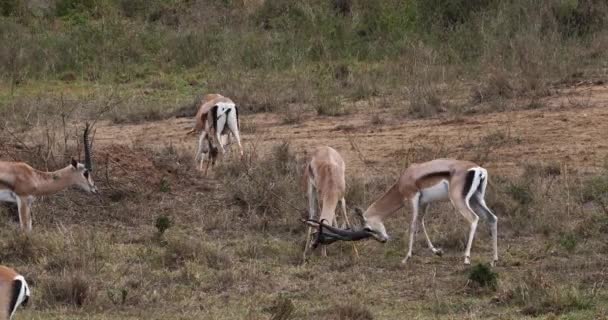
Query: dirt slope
(565, 129)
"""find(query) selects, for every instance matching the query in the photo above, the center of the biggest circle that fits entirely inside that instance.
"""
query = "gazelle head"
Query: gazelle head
(374, 226)
(83, 178)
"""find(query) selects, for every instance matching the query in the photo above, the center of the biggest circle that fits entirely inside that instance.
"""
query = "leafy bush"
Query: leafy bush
(482, 275)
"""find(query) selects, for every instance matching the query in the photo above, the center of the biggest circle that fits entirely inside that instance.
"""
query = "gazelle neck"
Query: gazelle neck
(391, 201)
(54, 181)
(328, 210)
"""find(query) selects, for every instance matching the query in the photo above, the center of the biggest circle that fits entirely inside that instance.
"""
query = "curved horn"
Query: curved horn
(328, 234)
(87, 149)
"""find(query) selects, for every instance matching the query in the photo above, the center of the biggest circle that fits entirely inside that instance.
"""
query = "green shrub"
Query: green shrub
(482, 275)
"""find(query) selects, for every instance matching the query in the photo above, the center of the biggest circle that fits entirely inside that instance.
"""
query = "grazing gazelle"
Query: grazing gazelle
(462, 182)
(215, 116)
(20, 183)
(325, 186)
(13, 292)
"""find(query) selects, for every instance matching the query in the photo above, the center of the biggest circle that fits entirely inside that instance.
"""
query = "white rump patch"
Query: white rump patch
(223, 107)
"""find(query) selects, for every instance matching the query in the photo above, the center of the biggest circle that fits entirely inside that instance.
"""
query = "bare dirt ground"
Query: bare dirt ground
(568, 128)
(217, 264)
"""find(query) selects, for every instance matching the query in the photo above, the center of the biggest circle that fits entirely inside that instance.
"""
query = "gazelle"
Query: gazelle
(462, 182)
(215, 115)
(13, 292)
(325, 186)
(20, 183)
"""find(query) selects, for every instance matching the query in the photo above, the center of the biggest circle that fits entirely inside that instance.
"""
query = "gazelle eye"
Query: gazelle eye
(86, 174)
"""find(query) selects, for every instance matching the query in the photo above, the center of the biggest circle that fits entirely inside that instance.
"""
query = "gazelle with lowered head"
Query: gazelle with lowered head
(14, 292)
(461, 182)
(325, 187)
(215, 117)
(20, 183)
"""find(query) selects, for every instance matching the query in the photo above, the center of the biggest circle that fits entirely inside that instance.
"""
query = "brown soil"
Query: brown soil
(567, 128)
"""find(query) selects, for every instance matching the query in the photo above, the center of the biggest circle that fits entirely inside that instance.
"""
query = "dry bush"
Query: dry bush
(424, 101)
(265, 188)
(330, 105)
(498, 86)
(293, 114)
(16, 246)
(69, 288)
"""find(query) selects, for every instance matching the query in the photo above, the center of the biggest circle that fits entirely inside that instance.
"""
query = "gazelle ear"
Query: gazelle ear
(74, 163)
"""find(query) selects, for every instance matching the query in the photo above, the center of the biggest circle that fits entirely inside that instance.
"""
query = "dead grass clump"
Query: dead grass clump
(347, 312)
(73, 289)
(536, 295)
(595, 189)
(497, 86)
(329, 105)
(180, 250)
(281, 309)
(25, 248)
(424, 101)
(293, 114)
(267, 190)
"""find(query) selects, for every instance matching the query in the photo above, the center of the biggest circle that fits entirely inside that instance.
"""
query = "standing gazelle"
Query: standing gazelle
(325, 186)
(13, 292)
(20, 183)
(462, 182)
(215, 116)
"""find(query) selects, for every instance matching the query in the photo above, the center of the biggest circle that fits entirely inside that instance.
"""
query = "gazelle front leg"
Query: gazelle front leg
(415, 201)
(25, 217)
(436, 251)
(348, 225)
(311, 215)
(199, 158)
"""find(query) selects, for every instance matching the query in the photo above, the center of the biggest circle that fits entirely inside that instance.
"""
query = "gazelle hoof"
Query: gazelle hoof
(493, 263)
(467, 260)
(404, 261)
(438, 252)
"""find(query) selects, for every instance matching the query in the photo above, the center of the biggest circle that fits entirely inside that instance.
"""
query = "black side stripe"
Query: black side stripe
(214, 115)
(437, 174)
(238, 125)
(17, 287)
(468, 183)
(225, 130)
(6, 184)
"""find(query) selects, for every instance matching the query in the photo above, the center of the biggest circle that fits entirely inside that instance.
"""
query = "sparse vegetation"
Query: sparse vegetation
(389, 83)
(483, 276)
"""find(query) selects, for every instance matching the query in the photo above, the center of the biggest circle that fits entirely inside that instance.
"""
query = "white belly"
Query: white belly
(7, 196)
(438, 192)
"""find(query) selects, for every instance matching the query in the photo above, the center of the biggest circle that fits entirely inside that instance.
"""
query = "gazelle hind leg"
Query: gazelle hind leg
(436, 251)
(221, 123)
(234, 128)
(348, 225)
(479, 204)
(414, 204)
(460, 199)
(199, 151)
